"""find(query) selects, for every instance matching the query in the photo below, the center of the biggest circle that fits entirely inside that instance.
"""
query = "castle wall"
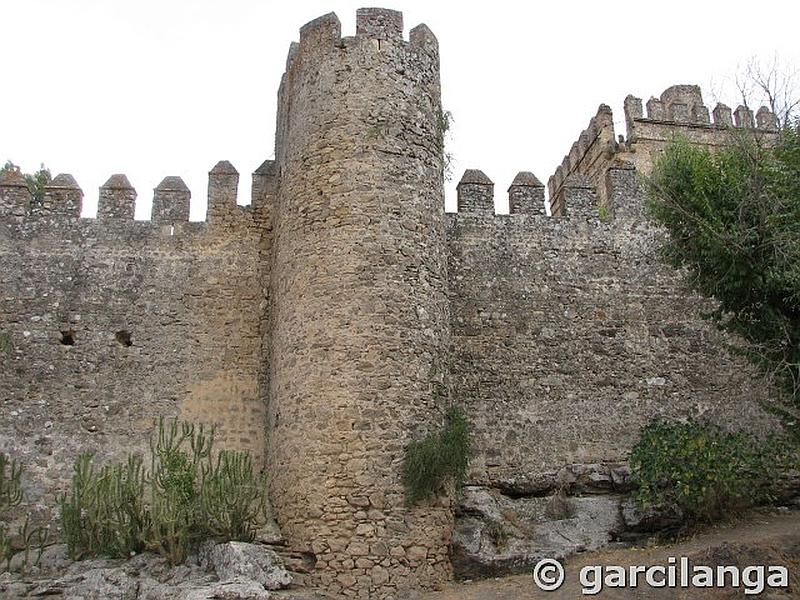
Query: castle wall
(360, 322)
(679, 113)
(569, 334)
(334, 320)
(112, 322)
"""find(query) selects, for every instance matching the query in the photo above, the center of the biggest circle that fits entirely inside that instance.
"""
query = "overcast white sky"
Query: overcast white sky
(152, 88)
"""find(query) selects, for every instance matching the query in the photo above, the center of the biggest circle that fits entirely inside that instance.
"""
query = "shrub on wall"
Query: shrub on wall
(186, 496)
(703, 471)
(440, 456)
(36, 181)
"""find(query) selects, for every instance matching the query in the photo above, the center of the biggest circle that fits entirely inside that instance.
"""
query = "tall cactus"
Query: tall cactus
(185, 496)
(28, 535)
(10, 496)
(10, 488)
(233, 501)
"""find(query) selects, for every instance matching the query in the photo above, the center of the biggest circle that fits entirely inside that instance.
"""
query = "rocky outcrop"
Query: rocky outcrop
(227, 571)
(498, 534)
(235, 561)
(507, 526)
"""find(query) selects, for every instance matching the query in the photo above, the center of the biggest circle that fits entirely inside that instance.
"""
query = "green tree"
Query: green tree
(36, 181)
(734, 223)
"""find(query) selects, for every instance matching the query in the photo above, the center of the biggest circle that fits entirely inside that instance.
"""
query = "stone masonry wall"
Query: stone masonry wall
(569, 334)
(359, 305)
(109, 323)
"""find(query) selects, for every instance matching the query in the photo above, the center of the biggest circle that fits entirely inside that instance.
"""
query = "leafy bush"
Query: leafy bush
(703, 471)
(440, 455)
(734, 223)
(185, 496)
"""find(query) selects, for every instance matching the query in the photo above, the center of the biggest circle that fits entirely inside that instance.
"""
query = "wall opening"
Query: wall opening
(67, 338)
(124, 338)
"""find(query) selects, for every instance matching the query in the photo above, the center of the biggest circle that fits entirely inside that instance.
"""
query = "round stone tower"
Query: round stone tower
(359, 314)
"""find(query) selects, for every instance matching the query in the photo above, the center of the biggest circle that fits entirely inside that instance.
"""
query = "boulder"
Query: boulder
(236, 561)
(229, 590)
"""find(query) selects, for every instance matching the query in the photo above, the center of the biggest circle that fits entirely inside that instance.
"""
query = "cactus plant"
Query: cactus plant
(184, 497)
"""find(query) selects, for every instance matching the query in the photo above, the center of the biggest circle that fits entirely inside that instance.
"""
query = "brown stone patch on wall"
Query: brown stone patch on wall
(233, 403)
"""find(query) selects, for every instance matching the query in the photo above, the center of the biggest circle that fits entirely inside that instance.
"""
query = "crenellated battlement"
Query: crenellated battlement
(583, 225)
(377, 28)
(61, 205)
(323, 59)
(476, 194)
(682, 106)
(681, 112)
(117, 199)
(526, 195)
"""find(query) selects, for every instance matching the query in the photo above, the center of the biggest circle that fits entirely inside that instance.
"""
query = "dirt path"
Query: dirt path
(766, 539)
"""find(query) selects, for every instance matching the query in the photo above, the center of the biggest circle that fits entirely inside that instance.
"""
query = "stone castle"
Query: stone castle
(334, 319)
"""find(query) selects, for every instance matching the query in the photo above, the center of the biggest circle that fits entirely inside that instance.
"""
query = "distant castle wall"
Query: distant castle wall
(111, 322)
(568, 334)
(586, 163)
(680, 113)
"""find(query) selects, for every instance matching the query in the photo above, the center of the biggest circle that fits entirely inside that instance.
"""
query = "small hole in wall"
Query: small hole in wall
(124, 337)
(67, 338)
